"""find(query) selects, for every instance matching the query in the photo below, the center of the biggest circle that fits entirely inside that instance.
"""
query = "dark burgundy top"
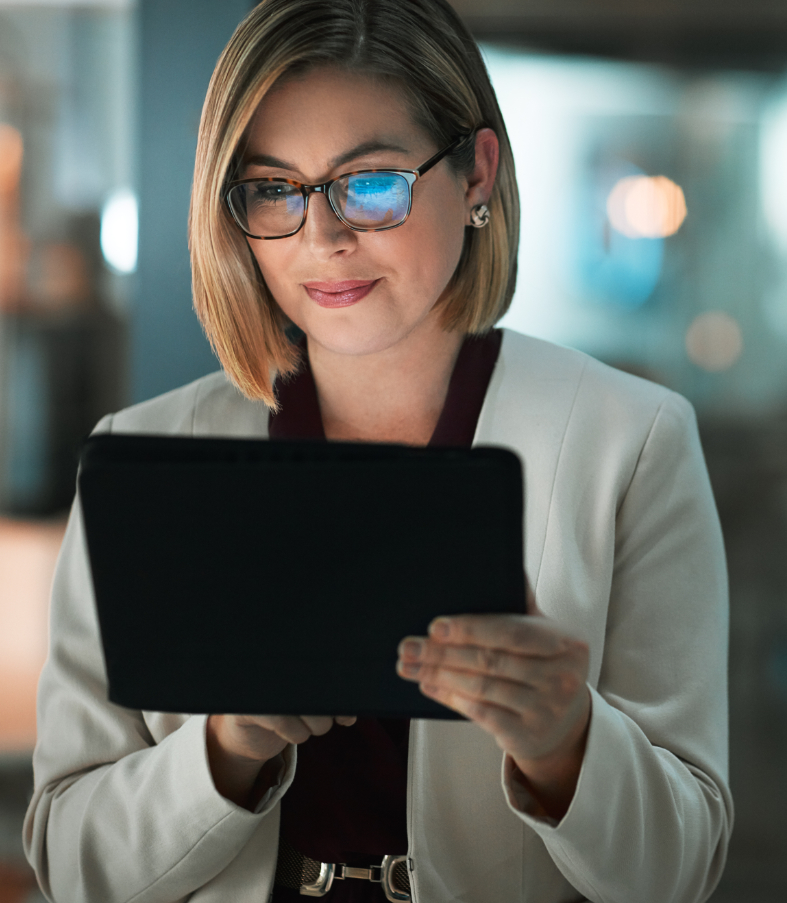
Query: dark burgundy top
(348, 802)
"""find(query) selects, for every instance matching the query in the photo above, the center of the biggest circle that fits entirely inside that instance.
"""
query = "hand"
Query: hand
(240, 746)
(261, 737)
(521, 678)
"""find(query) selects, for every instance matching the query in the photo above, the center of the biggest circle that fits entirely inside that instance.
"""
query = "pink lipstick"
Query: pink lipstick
(339, 294)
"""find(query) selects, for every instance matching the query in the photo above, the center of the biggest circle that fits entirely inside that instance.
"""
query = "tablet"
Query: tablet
(266, 577)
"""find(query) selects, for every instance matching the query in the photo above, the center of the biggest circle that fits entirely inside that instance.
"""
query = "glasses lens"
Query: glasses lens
(372, 200)
(267, 209)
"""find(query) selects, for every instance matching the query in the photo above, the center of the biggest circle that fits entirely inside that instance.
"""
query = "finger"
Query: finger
(547, 674)
(415, 651)
(521, 634)
(558, 677)
(317, 724)
(550, 699)
(346, 720)
(554, 689)
(509, 694)
(288, 727)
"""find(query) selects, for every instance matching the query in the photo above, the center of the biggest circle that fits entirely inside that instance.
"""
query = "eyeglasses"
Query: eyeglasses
(371, 200)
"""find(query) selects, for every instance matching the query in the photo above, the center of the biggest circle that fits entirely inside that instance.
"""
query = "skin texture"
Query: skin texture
(523, 680)
(382, 368)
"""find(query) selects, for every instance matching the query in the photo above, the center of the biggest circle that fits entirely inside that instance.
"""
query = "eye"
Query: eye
(271, 192)
(379, 182)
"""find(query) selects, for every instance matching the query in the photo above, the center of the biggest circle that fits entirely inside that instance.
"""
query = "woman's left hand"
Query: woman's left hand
(521, 678)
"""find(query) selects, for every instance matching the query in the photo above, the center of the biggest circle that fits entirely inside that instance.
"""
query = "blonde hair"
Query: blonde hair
(421, 46)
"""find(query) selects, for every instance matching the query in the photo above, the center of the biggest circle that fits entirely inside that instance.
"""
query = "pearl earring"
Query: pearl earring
(479, 216)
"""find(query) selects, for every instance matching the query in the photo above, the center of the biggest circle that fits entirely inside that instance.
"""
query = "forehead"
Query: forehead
(316, 117)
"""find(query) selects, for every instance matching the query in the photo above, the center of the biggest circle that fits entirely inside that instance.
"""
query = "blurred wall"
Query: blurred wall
(180, 41)
(66, 102)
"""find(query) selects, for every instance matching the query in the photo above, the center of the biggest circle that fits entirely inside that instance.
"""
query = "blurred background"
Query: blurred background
(650, 139)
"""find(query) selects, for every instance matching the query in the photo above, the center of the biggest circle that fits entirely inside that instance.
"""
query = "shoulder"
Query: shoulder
(542, 372)
(537, 362)
(550, 402)
(210, 405)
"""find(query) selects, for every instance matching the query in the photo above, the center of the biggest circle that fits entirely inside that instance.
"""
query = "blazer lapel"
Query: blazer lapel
(465, 843)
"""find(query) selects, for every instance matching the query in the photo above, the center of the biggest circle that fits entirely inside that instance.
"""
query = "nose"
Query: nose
(323, 231)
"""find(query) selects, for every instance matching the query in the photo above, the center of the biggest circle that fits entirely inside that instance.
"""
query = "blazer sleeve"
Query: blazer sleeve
(652, 812)
(116, 816)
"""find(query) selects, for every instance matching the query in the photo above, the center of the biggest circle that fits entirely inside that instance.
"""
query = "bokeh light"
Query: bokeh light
(646, 207)
(119, 230)
(714, 341)
(10, 157)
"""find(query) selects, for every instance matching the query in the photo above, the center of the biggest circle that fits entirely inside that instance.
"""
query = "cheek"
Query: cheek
(265, 254)
(435, 246)
(275, 260)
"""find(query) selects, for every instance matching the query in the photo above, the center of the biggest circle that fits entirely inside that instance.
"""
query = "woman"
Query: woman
(593, 764)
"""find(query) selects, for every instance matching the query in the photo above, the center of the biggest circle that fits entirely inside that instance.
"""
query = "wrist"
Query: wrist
(552, 779)
(234, 775)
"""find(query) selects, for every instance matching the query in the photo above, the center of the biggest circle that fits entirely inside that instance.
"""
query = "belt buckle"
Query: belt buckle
(322, 883)
(373, 873)
(379, 874)
(389, 863)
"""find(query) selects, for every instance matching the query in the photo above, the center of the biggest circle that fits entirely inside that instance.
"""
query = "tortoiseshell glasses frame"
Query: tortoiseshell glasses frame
(409, 175)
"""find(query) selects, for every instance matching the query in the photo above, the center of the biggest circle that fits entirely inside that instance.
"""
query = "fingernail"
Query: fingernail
(409, 668)
(440, 628)
(411, 648)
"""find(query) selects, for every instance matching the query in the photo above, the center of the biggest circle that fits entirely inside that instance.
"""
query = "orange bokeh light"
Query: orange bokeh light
(27, 560)
(646, 207)
(11, 152)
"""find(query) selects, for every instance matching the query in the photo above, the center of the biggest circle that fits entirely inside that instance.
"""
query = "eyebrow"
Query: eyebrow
(360, 150)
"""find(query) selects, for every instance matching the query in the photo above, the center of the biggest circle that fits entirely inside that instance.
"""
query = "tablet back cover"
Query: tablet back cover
(258, 577)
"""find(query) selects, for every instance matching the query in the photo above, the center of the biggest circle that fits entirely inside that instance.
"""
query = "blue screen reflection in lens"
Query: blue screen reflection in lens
(375, 199)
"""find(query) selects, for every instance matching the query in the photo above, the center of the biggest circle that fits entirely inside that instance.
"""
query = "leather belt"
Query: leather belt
(314, 879)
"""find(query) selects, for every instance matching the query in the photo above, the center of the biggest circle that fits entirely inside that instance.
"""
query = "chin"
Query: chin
(357, 330)
(352, 338)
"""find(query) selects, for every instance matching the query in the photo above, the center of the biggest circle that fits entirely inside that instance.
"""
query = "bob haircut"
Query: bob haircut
(423, 48)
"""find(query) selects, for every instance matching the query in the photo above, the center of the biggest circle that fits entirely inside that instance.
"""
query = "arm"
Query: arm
(624, 784)
(115, 815)
(651, 815)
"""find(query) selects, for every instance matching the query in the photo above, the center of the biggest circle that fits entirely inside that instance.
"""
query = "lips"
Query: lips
(339, 294)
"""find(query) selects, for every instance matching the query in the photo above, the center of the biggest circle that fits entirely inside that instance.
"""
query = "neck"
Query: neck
(395, 395)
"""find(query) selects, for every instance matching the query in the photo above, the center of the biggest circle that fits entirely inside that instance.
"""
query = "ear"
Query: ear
(481, 180)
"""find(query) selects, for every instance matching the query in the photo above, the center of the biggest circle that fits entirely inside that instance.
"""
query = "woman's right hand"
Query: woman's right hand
(242, 749)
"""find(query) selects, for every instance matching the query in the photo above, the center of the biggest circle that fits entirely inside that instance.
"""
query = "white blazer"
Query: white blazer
(622, 545)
